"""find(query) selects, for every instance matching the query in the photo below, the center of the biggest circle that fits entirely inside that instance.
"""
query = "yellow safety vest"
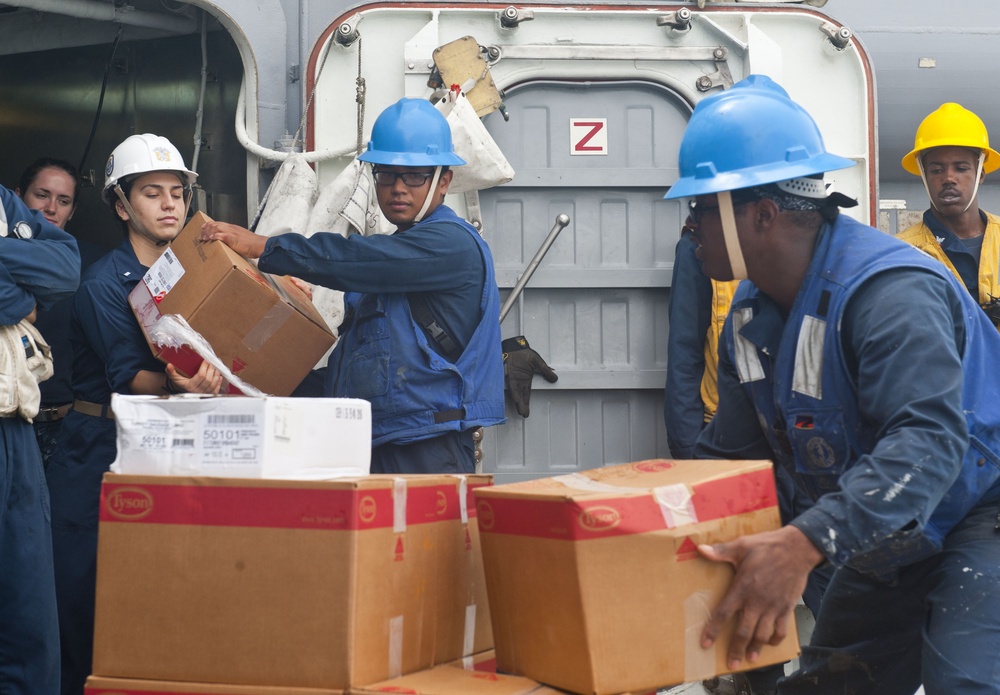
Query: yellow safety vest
(722, 297)
(923, 238)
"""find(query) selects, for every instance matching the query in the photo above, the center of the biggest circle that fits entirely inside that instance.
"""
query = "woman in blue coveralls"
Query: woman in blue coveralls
(421, 338)
(39, 264)
(52, 186)
(149, 188)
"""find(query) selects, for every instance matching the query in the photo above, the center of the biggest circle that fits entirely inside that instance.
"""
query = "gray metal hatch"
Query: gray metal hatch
(596, 308)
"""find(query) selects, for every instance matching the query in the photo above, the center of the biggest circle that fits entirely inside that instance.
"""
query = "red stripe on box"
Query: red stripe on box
(91, 690)
(584, 519)
(485, 665)
(736, 494)
(470, 498)
(259, 507)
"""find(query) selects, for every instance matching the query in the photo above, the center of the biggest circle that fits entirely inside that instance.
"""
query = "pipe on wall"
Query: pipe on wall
(102, 11)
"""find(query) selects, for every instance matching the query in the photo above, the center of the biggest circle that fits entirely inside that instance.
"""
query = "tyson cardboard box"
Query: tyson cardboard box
(295, 584)
(594, 580)
(125, 686)
(243, 437)
(262, 327)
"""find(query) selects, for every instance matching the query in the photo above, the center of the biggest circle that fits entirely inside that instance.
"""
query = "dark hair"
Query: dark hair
(35, 168)
(126, 185)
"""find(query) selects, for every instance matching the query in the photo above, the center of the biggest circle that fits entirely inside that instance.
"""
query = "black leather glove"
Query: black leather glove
(520, 364)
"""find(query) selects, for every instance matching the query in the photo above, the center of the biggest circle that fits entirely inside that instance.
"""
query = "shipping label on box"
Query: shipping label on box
(161, 277)
(262, 327)
(304, 584)
(242, 437)
(594, 579)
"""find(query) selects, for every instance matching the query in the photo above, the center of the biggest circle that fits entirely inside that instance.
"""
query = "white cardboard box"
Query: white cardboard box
(243, 437)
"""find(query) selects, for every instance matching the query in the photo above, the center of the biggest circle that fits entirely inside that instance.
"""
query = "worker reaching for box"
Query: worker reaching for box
(421, 336)
(883, 410)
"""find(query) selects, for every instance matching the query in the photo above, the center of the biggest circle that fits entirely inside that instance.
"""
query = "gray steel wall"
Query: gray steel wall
(50, 99)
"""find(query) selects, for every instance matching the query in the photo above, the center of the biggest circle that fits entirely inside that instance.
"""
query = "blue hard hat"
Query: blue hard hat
(411, 133)
(749, 135)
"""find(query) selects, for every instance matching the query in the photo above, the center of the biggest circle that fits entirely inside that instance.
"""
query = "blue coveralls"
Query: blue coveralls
(57, 391)
(965, 261)
(868, 392)
(109, 350)
(690, 317)
(692, 300)
(424, 405)
(39, 270)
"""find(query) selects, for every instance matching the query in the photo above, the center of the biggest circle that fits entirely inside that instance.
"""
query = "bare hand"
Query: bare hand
(206, 380)
(771, 572)
(240, 240)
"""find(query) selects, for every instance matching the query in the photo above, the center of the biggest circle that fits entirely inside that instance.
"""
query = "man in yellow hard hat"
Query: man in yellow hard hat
(952, 154)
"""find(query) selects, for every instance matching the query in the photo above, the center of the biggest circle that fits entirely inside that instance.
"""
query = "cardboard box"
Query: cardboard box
(285, 583)
(595, 583)
(123, 686)
(262, 327)
(464, 626)
(474, 674)
(241, 437)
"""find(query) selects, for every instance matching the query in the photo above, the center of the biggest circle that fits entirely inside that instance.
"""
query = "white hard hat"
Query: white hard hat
(139, 154)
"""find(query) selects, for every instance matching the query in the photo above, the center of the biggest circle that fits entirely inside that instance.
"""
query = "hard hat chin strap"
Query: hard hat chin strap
(134, 219)
(975, 187)
(979, 176)
(731, 237)
(430, 194)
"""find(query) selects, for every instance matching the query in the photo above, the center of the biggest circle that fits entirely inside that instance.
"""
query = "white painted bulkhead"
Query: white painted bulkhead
(597, 306)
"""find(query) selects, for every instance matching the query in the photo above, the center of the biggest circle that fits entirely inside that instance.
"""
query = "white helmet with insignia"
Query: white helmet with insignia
(139, 154)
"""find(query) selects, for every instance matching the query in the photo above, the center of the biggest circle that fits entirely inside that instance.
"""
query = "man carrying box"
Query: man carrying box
(883, 408)
(421, 334)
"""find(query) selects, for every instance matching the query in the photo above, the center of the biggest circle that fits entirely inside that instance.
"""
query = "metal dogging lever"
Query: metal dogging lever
(562, 221)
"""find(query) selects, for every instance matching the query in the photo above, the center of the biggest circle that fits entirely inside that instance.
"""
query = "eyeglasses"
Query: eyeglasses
(697, 212)
(411, 179)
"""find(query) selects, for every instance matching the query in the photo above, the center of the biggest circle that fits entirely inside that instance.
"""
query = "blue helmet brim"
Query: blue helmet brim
(409, 159)
(714, 182)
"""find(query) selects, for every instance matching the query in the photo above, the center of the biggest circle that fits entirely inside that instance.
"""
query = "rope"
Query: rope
(360, 99)
(312, 95)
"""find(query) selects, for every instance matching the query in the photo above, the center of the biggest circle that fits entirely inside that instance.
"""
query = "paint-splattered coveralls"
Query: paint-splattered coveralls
(879, 391)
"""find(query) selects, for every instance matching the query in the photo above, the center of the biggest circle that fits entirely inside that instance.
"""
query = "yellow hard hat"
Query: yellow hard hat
(952, 125)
